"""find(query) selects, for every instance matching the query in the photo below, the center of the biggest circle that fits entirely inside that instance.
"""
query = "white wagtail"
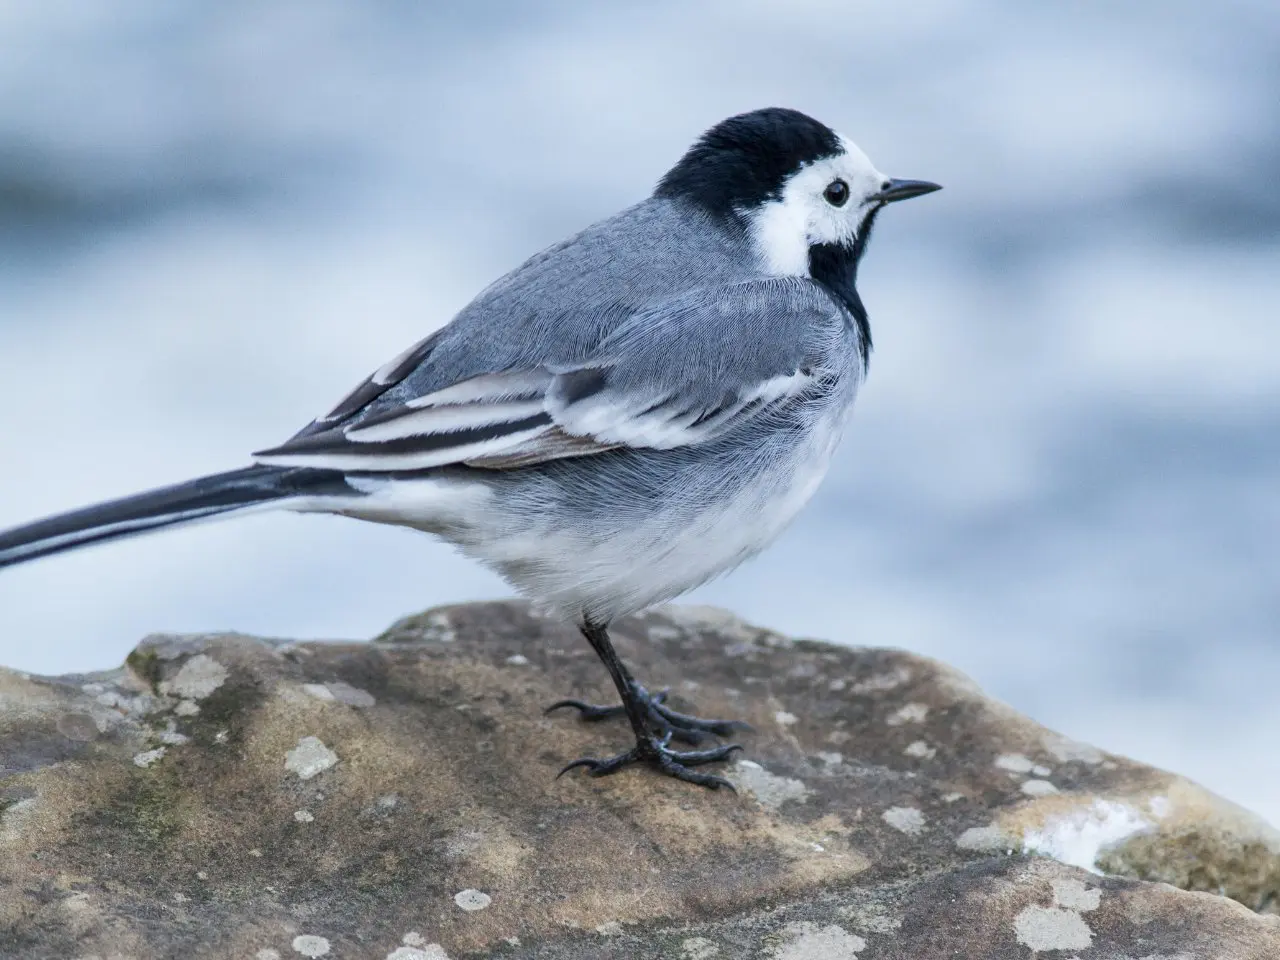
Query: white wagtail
(626, 415)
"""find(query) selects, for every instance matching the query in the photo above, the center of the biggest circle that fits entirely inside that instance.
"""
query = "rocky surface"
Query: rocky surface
(225, 796)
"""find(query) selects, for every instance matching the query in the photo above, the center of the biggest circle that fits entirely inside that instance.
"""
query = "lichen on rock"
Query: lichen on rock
(228, 796)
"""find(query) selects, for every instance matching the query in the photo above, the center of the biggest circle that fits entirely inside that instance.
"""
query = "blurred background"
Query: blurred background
(1062, 476)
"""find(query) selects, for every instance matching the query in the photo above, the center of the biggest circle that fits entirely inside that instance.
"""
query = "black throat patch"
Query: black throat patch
(744, 161)
(835, 266)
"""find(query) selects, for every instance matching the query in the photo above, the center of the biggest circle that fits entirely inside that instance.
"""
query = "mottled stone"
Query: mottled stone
(309, 758)
(907, 819)
(198, 678)
(472, 900)
(398, 800)
(310, 945)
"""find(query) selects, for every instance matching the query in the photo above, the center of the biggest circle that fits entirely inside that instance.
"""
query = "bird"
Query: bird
(628, 414)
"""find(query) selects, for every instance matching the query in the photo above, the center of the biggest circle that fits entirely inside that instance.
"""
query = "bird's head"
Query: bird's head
(806, 195)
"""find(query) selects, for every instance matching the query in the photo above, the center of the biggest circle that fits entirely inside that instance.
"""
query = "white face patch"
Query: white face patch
(785, 228)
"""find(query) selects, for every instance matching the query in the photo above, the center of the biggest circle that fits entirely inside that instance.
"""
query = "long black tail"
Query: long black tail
(187, 502)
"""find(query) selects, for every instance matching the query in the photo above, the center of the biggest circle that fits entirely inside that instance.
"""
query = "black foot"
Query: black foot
(653, 723)
(672, 763)
(660, 718)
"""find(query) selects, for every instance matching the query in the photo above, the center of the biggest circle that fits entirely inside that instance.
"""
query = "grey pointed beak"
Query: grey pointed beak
(904, 190)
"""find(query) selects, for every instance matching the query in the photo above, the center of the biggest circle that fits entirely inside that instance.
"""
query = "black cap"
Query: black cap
(744, 161)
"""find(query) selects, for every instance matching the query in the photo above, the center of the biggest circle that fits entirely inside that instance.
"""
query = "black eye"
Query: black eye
(837, 193)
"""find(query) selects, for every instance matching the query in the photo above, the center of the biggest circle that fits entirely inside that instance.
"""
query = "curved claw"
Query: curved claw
(602, 768)
(709, 780)
(590, 762)
(587, 711)
(565, 703)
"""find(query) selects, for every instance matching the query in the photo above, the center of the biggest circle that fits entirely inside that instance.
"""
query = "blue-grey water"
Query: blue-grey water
(1063, 476)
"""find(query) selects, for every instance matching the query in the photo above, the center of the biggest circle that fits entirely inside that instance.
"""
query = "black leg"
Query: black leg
(654, 725)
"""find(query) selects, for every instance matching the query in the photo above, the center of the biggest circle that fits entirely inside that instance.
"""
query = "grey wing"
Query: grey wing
(679, 373)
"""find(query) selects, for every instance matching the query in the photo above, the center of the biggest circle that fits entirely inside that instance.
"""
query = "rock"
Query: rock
(225, 796)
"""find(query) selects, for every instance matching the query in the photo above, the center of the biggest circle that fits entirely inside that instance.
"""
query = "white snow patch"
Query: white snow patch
(1077, 838)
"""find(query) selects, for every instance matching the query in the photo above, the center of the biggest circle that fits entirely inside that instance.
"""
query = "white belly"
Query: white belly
(606, 575)
(606, 567)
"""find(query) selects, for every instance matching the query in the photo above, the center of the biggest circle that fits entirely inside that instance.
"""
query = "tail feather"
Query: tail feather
(181, 503)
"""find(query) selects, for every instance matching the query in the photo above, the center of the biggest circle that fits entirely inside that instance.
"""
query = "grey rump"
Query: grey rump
(624, 416)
